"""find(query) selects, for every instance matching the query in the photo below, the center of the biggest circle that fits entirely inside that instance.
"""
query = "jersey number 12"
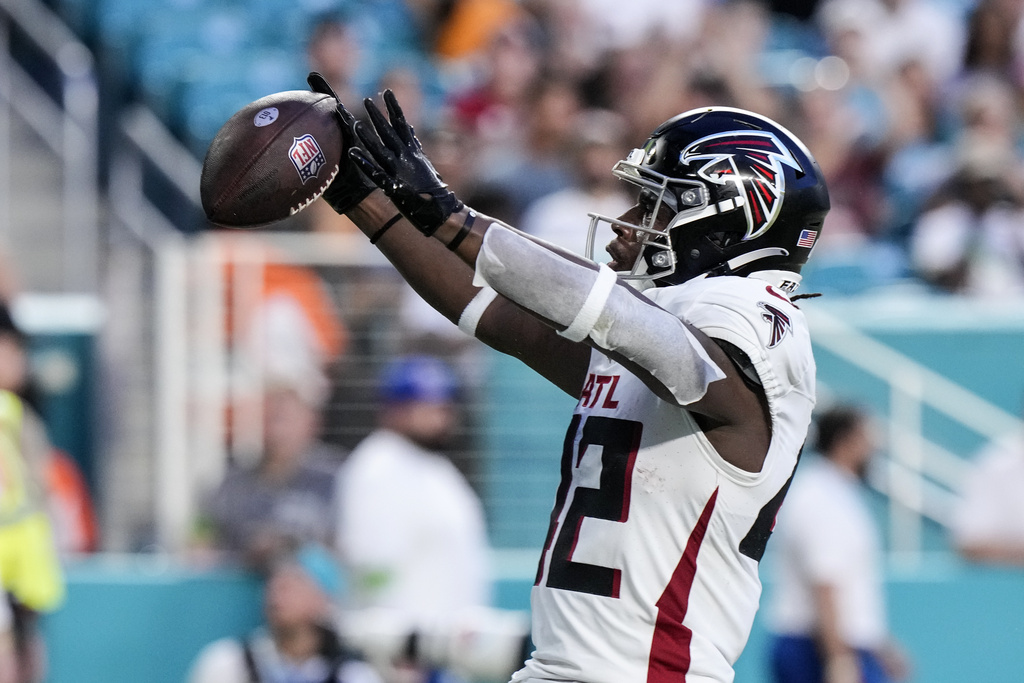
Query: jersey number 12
(619, 441)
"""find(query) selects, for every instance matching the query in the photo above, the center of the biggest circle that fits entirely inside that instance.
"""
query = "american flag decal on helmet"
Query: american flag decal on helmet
(780, 322)
(807, 238)
(752, 161)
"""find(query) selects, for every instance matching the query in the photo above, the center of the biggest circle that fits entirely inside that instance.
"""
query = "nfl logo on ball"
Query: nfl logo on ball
(306, 156)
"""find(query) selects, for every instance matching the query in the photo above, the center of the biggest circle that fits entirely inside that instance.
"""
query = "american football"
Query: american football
(271, 159)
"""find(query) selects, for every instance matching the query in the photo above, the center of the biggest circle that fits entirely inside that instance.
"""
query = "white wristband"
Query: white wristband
(474, 310)
(585, 320)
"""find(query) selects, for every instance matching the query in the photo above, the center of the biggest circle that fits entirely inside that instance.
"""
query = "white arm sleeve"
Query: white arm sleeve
(590, 304)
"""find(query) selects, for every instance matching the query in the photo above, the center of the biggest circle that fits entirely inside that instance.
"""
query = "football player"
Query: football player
(691, 363)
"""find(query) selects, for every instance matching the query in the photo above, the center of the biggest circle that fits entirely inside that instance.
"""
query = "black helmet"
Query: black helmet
(745, 193)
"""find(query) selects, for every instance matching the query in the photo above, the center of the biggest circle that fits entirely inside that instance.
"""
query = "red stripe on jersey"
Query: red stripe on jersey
(670, 648)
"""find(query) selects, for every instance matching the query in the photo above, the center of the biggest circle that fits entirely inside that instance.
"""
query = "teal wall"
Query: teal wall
(524, 426)
(956, 623)
(133, 619)
(66, 366)
(137, 619)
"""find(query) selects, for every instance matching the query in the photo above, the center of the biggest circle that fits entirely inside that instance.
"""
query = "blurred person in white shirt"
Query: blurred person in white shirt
(411, 530)
(988, 523)
(561, 217)
(828, 614)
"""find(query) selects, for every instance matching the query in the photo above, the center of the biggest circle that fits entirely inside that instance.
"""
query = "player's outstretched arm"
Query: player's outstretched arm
(446, 283)
(570, 294)
(583, 302)
(442, 279)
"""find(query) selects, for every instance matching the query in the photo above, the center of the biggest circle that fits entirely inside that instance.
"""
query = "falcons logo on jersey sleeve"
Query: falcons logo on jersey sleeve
(751, 161)
(779, 321)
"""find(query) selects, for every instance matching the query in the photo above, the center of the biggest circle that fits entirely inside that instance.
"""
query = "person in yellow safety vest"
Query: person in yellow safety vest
(30, 570)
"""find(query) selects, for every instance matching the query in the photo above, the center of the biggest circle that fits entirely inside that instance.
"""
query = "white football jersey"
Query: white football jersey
(650, 568)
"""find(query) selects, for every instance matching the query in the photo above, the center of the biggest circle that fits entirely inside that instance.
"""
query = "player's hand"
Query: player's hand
(350, 186)
(394, 160)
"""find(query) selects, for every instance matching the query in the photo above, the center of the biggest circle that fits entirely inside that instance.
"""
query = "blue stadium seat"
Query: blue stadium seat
(171, 42)
(212, 88)
(118, 22)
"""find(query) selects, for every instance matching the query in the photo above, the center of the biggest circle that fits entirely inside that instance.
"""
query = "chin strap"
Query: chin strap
(785, 280)
(746, 259)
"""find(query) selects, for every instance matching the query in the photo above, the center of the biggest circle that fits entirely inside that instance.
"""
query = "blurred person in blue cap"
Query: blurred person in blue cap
(411, 529)
(298, 643)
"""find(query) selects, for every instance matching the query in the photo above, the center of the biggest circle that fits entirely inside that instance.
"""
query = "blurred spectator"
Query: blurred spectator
(539, 163)
(286, 499)
(591, 29)
(411, 530)
(828, 614)
(993, 30)
(917, 146)
(67, 497)
(464, 28)
(897, 31)
(45, 509)
(988, 522)
(292, 324)
(835, 131)
(645, 83)
(842, 116)
(561, 217)
(298, 643)
(494, 109)
(283, 327)
(986, 112)
(333, 49)
(74, 518)
(970, 238)
(733, 44)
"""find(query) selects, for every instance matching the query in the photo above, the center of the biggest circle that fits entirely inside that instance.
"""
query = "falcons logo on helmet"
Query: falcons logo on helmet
(779, 321)
(752, 161)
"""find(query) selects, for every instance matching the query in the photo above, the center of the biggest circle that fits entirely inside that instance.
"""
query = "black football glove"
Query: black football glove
(395, 161)
(350, 186)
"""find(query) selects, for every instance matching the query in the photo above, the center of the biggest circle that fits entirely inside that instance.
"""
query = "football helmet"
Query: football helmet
(744, 195)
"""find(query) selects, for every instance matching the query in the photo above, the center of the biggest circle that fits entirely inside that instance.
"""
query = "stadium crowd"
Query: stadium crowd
(912, 108)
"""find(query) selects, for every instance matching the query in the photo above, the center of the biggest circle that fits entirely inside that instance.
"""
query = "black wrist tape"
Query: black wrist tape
(384, 228)
(466, 228)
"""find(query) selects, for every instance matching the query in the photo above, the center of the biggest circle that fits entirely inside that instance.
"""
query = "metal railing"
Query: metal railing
(68, 125)
(921, 478)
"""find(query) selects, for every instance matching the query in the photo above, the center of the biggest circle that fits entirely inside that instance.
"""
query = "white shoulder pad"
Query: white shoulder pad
(757, 318)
